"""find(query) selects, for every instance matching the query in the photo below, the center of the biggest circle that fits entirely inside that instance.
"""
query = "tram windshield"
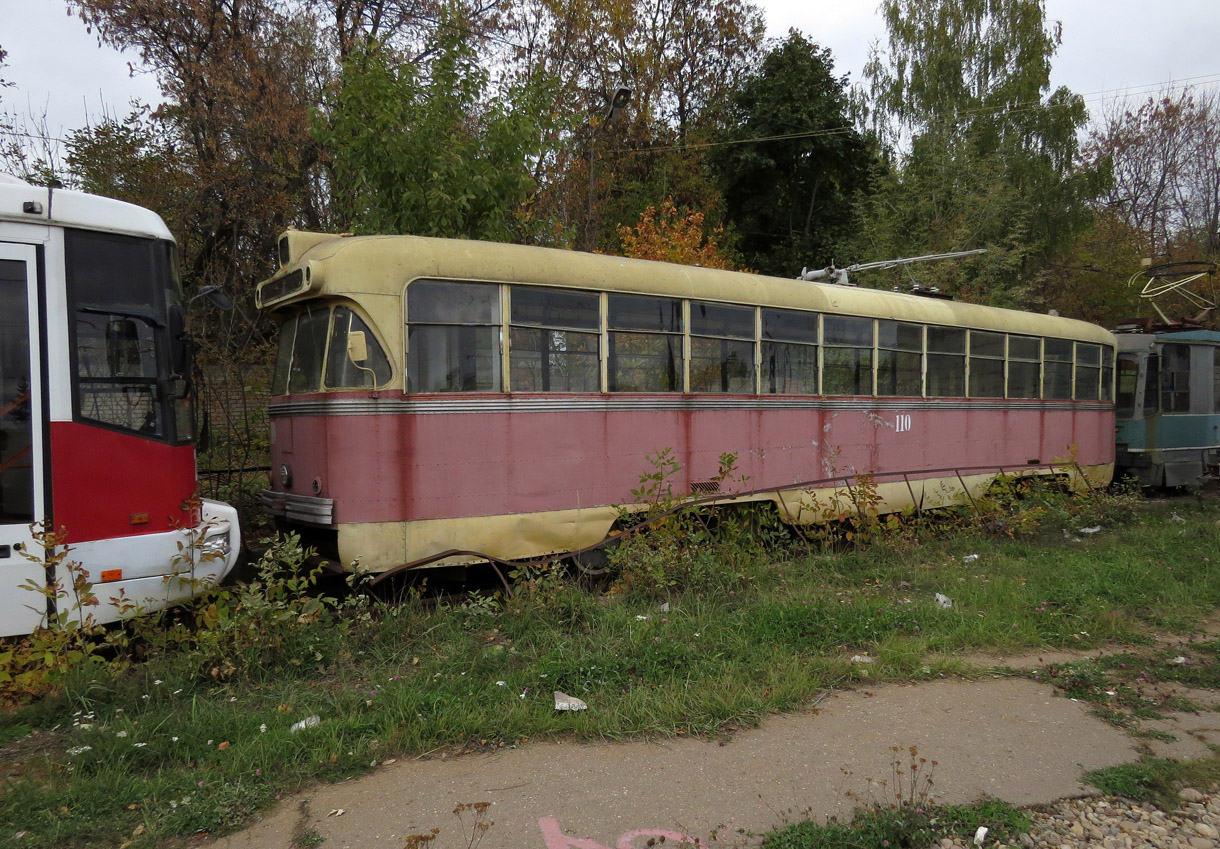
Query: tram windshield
(122, 292)
(345, 351)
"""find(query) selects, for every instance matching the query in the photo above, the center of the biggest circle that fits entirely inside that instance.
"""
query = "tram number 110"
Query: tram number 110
(902, 422)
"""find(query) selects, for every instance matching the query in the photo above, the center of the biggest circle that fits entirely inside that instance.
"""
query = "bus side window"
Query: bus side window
(342, 370)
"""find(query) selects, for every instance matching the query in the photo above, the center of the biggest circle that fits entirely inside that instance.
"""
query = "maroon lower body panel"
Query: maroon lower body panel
(496, 456)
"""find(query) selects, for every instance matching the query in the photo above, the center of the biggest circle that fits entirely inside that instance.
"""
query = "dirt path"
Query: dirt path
(1003, 737)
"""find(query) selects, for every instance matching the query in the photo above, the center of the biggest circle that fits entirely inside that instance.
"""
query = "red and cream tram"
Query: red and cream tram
(96, 435)
(435, 395)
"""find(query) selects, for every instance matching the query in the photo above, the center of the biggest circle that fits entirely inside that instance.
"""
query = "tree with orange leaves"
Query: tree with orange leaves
(673, 235)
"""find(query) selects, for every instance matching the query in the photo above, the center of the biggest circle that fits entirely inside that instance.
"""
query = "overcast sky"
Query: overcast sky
(1110, 48)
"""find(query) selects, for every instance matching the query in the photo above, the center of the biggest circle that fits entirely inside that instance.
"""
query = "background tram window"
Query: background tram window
(946, 362)
(1152, 385)
(1024, 366)
(1088, 372)
(1175, 379)
(453, 337)
(899, 358)
(1215, 382)
(1057, 369)
(986, 364)
(650, 359)
(790, 352)
(341, 370)
(1128, 375)
(554, 341)
(847, 356)
(721, 348)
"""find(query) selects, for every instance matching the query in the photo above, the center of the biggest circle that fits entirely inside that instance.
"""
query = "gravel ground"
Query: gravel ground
(1109, 823)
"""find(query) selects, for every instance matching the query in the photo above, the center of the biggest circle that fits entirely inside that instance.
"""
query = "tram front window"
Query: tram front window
(302, 346)
(119, 288)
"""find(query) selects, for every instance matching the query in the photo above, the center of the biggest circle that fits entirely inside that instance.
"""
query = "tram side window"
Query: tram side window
(986, 364)
(355, 358)
(1057, 369)
(1128, 375)
(554, 341)
(721, 348)
(645, 344)
(946, 362)
(1152, 385)
(1215, 382)
(899, 358)
(847, 356)
(453, 337)
(1107, 374)
(117, 286)
(1024, 366)
(1175, 379)
(790, 352)
(1088, 372)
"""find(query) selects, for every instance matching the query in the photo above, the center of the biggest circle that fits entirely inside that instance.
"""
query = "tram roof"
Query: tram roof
(360, 266)
(75, 209)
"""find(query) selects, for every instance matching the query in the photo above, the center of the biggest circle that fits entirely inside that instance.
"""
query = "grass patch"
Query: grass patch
(1155, 781)
(905, 828)
(185, 727)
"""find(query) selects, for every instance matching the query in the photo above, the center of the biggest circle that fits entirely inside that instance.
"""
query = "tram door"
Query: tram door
(21, 435)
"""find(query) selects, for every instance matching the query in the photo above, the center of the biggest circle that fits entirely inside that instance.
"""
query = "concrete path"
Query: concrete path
(1002, 737)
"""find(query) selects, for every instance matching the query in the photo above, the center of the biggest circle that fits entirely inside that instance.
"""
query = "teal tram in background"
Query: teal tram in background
(1168, 407)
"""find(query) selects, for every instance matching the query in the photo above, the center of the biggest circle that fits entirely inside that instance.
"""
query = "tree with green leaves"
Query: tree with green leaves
(418, 148)
(983, 151)
(791, 163)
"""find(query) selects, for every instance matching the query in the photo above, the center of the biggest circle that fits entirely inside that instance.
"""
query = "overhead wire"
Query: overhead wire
(824, 132)
(1020, 106)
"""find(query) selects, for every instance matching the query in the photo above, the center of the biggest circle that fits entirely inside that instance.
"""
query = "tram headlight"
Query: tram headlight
(285, 476)
(216, 544)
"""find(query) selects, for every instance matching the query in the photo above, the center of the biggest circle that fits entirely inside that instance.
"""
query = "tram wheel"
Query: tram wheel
(593, 563)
